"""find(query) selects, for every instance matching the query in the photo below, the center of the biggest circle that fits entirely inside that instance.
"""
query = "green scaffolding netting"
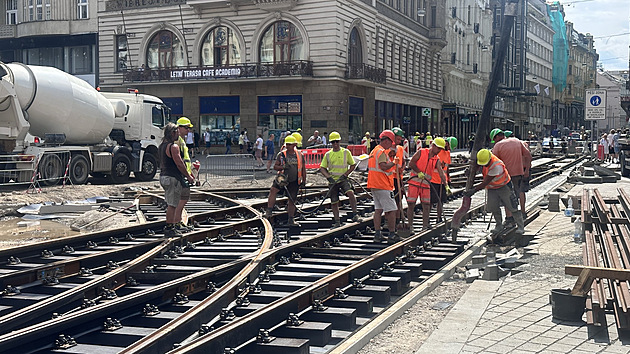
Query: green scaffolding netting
(560, 49)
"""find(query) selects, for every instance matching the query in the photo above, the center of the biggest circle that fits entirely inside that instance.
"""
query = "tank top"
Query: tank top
(167, 164)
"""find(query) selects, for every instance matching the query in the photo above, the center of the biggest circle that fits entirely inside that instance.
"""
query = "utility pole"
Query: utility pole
(510, 12)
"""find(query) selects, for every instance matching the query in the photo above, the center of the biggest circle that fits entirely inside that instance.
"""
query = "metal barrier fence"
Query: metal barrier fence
(16, 168)
(313, 157)
(237, 167)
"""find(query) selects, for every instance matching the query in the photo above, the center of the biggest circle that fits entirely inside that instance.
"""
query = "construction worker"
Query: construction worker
(440, 188)
(298, 138)
(518, 160)
(428, 139)
(183, 127)
(417, 140)
(337, 165)
(366, 142)
(398, 151)
(291, 168)
(425, 165)
(497, 182)
(380, 182)
(508, 133)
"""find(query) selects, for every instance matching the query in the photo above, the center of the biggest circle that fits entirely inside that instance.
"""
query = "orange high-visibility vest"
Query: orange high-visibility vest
(299, 166)
(500, 180)
(445, 157)
(377, 178)
(426, 165)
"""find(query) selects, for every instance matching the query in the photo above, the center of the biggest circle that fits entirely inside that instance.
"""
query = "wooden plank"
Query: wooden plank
(583, 284)
(598, 272)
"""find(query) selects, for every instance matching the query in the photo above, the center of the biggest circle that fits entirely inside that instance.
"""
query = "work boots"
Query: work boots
(336, 224)
(498, 218)
(171, 231)
(378, 236)
(520, 224)
(293, 223)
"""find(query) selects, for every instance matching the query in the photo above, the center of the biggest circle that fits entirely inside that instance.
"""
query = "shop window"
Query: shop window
(82, 10)
(355, 51)
(165, 51)
(80, 60)
(220, 47)
(122, 52)
(281, 42)
(45, 57)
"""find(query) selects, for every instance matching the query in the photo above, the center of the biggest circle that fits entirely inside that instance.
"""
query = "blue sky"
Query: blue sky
(603, 18)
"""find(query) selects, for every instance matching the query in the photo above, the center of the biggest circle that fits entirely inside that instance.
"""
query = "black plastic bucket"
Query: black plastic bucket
(567, 307)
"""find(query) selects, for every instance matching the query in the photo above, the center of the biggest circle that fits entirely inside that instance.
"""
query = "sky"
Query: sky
(609, 22)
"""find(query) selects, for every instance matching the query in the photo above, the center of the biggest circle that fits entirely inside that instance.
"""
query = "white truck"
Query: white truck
(84, 131)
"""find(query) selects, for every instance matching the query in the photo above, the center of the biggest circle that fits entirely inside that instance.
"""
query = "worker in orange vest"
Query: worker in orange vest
(425, 165)
(497, 182)
(381, 169)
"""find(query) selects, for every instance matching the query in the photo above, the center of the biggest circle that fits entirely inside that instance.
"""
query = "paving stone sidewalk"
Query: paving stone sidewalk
(513, 315)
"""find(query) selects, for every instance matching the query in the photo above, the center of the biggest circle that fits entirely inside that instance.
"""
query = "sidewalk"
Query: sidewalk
(513, 315)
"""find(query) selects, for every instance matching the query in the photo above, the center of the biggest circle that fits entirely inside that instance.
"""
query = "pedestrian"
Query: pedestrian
(471, 142)
(616, 146)
(324, 143)
(269, 151)
(518, 160)
(172, 174)
(315, 139)
(228, 144)
(603, 141)
(241, 142)
(197, 139)
(258, 145)
(190, 141)
(206, 140)
(373, 143)
(291, 167)
(337, 165)
(380, 170)
(425, 165)
(246, 142)
(611, 145)
(499, 189)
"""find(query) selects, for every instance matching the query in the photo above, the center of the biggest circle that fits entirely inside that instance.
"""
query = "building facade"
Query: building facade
(538, 71)
(276, 65)
(615, 85)
(466, 65)
(57, 33)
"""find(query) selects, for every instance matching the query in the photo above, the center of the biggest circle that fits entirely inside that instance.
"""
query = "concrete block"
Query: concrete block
(479, 259)
(472, 274)
(491, 272)
(588, 171)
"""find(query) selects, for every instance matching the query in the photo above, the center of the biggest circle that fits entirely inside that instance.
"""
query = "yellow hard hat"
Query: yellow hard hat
(439, 142)
(184, 122)
(290, 140)
(334, 136)
(483, 157)
(297, 136)
(367, 133)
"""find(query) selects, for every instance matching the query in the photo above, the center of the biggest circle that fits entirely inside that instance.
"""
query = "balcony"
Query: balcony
(366, 72)
(210, 73)
(8, 31)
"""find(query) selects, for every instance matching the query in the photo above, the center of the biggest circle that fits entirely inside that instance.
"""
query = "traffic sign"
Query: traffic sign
(595, 105)
(426, 112)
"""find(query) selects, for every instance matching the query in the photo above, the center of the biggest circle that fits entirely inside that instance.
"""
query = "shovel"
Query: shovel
(79, 228)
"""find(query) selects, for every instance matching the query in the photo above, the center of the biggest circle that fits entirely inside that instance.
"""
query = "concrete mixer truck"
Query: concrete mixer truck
(84, 131)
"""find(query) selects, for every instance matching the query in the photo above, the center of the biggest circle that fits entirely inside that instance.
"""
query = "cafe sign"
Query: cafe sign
(118, 5)
(204, 73)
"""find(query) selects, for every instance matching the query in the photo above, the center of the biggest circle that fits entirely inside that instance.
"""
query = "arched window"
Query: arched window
(165, 51)
(220, 47)
(355, 51)
(281, 42)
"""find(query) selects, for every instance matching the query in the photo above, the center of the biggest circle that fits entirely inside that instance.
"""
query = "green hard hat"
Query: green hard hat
(452, 141)
(398, 131)
(494, 133)
(508, 133)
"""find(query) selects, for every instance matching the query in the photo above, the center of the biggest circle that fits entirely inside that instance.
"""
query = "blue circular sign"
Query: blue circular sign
(596, 101)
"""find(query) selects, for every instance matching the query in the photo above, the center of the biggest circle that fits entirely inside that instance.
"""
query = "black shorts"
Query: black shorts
(342, 187)
(438, 193)
(292, 187)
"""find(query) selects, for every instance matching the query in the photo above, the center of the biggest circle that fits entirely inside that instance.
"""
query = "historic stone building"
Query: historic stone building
(57, 33)
(276, 65)
(466, 65)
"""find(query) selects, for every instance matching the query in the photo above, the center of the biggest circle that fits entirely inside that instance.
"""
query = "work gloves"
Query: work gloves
(421, 175)
(331, 181)
(343, 178)
(448, 190)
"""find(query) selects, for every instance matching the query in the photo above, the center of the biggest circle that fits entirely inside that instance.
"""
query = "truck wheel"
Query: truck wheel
(623, 156)
(121, 168)
(149, 168)
(79, 169)
(50, 169)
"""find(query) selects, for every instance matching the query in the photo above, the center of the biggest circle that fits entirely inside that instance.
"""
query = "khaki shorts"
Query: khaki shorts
(172, 190)
(384, 200)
